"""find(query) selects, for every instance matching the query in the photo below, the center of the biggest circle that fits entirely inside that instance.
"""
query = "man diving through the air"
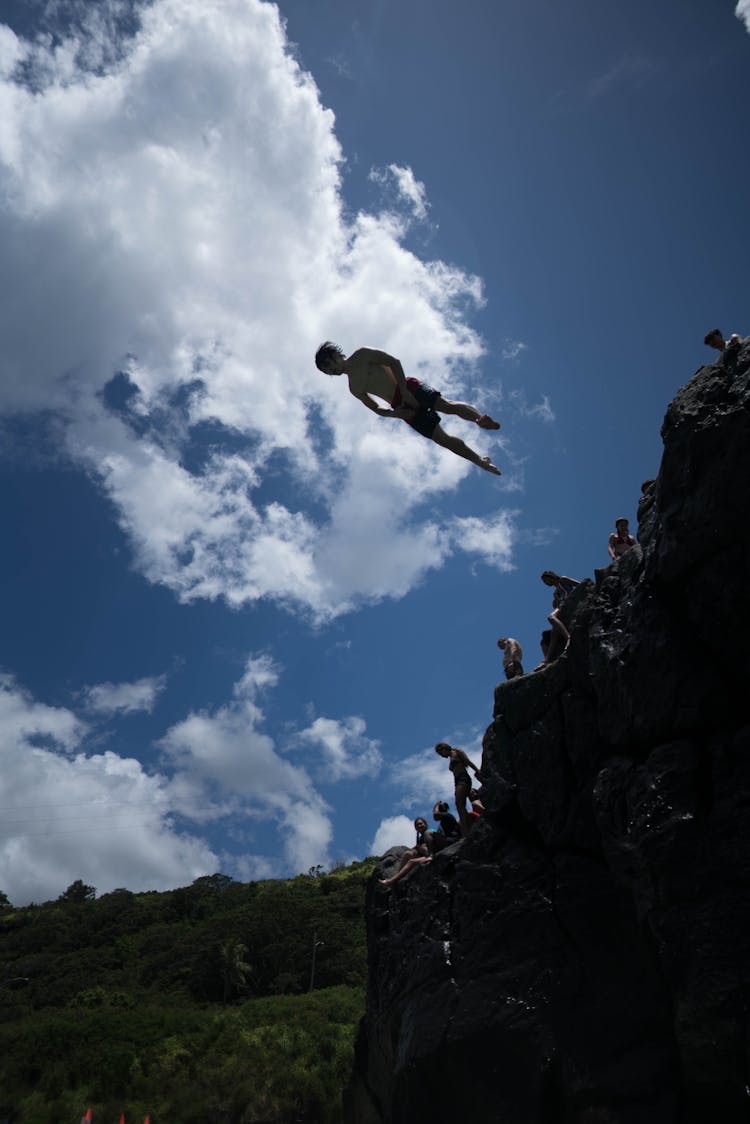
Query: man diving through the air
(376, 373)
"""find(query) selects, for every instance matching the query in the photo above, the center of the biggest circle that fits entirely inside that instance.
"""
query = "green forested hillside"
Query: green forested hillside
(221, 1001)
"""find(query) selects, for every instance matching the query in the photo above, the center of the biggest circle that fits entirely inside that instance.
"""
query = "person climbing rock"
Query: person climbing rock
(459, 765)
(512, 656)
(620, 541)
(560, 637)
(376, 374)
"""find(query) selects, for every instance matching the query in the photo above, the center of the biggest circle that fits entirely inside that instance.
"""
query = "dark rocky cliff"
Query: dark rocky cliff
(584, 956)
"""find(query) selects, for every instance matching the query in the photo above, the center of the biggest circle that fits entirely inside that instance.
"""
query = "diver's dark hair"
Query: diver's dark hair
(713, 332)
(325, 353)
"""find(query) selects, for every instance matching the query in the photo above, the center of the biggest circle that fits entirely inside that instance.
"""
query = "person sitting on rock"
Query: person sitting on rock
(620, 541)
(407, 868)
(376, 374)
(459, 765)
(424, 837)
(512, 656)
(475, 800)
(728, 349)
(476, 806)
(448, 830)
(422, 847)
(560, 637)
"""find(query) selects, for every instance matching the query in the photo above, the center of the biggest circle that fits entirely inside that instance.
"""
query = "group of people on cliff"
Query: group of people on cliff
(469, 806)
(430, 842)
(375, 375)
(555, 639)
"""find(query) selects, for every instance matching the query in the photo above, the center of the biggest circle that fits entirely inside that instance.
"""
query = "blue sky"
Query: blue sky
(238, 608)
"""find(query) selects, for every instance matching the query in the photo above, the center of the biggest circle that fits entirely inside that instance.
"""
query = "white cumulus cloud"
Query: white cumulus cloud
(491, 539)
(172, 213)
(407, 186)
(124, 698)
(345, 750)
(394, 831)
(224, 763)
(67, 814)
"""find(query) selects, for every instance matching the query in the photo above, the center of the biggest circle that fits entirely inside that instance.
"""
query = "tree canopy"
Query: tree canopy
(190, 1004)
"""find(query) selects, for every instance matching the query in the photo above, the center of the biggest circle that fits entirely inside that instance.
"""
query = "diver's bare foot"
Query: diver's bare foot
(488, 466)
(486, 422)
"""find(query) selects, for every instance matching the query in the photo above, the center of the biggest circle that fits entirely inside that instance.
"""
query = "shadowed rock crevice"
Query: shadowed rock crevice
(584, 957)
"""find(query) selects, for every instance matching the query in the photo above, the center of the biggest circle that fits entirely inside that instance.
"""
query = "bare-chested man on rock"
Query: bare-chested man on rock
(376, 374)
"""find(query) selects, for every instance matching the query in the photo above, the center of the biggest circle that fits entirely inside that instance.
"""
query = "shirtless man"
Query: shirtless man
(376, 374)
(512, 656)
(620, 541)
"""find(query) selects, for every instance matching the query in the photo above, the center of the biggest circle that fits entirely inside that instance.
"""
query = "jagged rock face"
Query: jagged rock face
(584, 956)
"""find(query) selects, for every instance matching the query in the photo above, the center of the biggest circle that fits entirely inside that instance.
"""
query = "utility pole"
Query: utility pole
(316, 944)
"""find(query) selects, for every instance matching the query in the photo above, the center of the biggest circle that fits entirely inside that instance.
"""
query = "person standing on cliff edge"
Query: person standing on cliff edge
(512, 656)
(560, 636)
(459, 765)
(376, 374)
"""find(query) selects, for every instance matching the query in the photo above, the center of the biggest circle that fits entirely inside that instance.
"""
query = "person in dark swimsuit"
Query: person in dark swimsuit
(374, 374)
(459, 765)
(448, 830)
(560, 637)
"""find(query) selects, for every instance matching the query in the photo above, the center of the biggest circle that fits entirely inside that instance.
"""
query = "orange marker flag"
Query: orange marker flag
(147, 1119)
(87, 1118)
(122, 1118)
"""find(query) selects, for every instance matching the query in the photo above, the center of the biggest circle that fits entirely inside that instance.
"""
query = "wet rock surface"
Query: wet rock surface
(584, 956)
